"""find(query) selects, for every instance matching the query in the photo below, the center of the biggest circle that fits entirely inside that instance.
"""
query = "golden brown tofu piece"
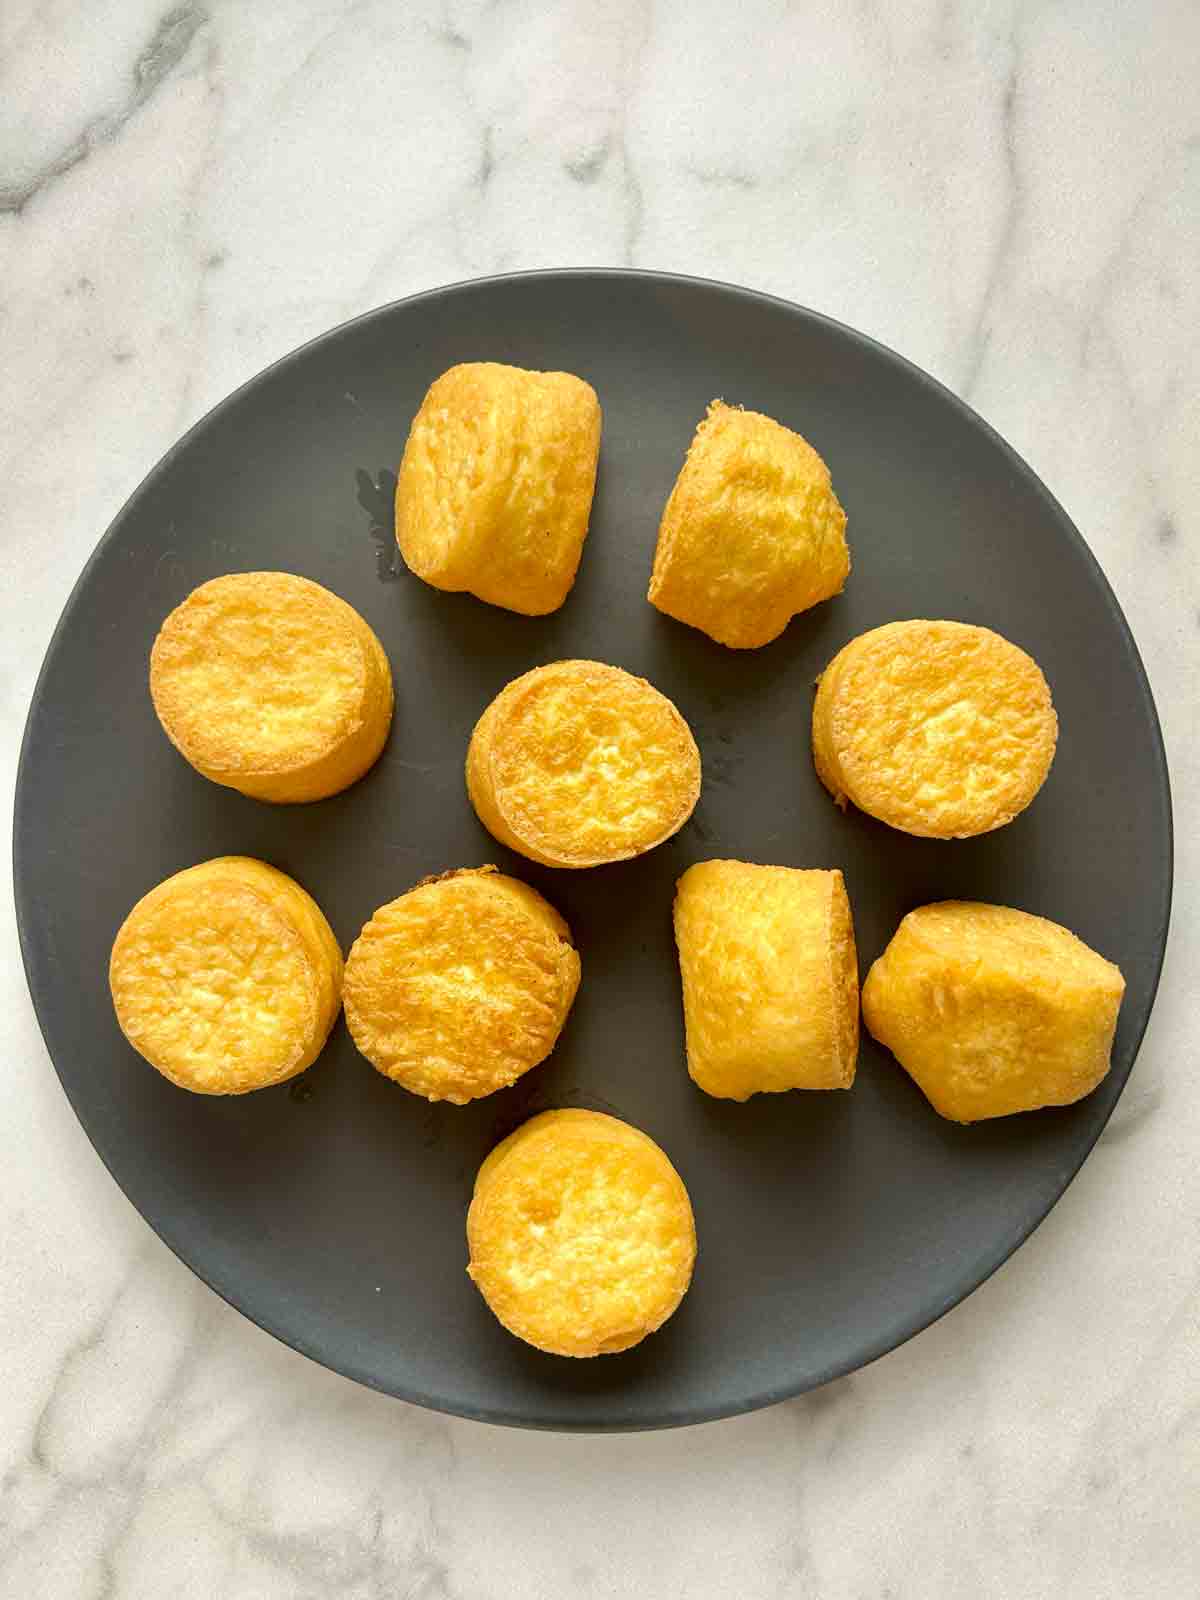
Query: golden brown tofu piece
(226, 977)
(577, 764)
(752, 533)
(991, 1010)
(940, 729)
(581, 1234)
(269, 684)
(461, 985)
(770, 978)
(495, 488)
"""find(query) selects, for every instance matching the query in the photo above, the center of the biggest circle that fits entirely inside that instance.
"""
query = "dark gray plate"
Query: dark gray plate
(831, 1226)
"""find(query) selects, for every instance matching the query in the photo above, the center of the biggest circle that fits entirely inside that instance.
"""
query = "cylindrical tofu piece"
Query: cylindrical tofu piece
(578, 764)
(991, 1010)
(227, 977)
(581, 1234)
(770, 978)
(495, 488)
(269, 684)
(461, 985)
(940, 729)
(752, 532)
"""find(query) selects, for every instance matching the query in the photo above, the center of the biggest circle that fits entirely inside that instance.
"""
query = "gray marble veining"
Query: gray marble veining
(1010, 195)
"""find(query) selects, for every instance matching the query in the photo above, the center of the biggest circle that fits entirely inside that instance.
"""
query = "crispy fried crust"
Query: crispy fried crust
(581, 1234)
(495, 488)
(227, 977)
(577, 764)
(269, 684)
(770, 978)
(940, 729)
(991, 1010)
(752, 532)
(461, 985)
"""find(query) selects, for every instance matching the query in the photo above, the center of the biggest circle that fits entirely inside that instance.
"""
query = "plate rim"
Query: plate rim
(981, 1269)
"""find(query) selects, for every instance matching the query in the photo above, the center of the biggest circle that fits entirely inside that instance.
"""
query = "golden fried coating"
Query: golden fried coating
(495, 488)
(577, 764)
(770, 978)
(227, 977)
(581, 1234)
(752, 532)
(939, 729)
(991, 1010)
(271, 685)
(461, 985)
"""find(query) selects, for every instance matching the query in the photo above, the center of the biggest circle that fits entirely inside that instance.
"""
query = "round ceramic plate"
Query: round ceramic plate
(331, 1210)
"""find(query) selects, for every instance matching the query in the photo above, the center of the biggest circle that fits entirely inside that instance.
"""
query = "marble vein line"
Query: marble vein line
(124, 1485)
(1014, 205)
(166, 48)
(631, 184)
(586, 169)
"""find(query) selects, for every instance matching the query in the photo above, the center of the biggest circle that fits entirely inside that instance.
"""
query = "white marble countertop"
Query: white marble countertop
(1009, 194)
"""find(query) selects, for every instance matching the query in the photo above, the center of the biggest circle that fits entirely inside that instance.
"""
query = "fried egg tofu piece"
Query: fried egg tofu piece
(577, 764)
(269, 684)
(992, 1011)
(770, 978)
(227, 977)
(461, 985)
(940, 729)
(581, 1234)
(752, 532)
(495, 487)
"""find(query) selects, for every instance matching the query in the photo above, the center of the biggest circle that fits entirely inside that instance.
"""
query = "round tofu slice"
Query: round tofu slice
(940, 729)
(269, 684)
(991, 1010)
(226, 977)
(578, 764)
(581, 1234)
(461, 985)
(752, 532)
(495, 488)
(770, 978)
